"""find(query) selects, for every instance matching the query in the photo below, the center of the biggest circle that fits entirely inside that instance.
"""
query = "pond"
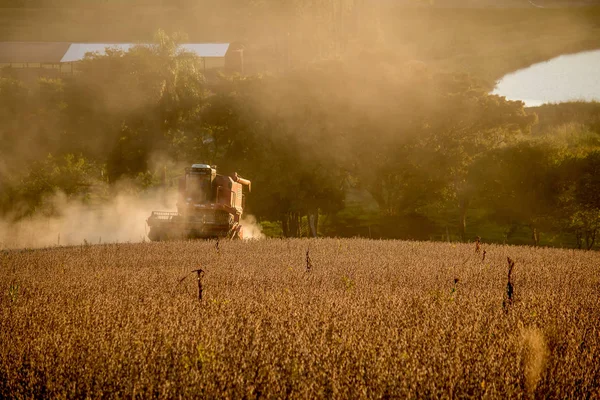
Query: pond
(565, 78)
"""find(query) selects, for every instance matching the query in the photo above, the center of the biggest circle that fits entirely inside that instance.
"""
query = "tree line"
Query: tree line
(386, 148)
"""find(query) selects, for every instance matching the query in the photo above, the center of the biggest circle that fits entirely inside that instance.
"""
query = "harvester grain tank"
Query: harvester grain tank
(209, 205)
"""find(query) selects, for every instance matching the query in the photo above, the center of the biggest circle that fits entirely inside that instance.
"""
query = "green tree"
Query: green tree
(581, 197)
(131, 105)
(70, 175)
(519, 185)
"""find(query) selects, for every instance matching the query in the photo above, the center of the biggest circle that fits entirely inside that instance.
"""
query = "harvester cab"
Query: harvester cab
(209, 205)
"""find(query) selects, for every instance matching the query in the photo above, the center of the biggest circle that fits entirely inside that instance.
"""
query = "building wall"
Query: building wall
(213, 62)
(64, 68)
(27, 71)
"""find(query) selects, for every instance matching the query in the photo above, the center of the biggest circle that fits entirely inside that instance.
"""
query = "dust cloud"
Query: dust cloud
(387, 49)
(122, 219)
(252, 229)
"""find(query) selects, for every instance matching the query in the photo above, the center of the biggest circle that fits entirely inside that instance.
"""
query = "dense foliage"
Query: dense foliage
(390, 149)
(372, 319)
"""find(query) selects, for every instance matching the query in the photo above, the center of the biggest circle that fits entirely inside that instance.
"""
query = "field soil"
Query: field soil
(356, 319)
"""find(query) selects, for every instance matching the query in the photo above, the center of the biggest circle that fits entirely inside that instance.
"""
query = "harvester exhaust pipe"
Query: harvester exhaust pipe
(242, 181)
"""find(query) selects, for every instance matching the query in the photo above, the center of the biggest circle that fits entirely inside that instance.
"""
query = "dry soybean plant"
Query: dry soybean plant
(104, 321)
(199, 275)
(309, 264)
(508, 299)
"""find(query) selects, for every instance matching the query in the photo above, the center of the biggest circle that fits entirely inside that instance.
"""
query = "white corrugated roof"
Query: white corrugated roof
(77, 51)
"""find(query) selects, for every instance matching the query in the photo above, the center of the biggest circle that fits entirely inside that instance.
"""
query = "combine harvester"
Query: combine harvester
(209, 205)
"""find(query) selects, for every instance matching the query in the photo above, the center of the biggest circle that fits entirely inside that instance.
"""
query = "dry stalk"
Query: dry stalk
(308, 261)
(509, 286)
(199, 275)
(454, 288)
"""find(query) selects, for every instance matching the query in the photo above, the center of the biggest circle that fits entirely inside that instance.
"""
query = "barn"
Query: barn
(52, 59)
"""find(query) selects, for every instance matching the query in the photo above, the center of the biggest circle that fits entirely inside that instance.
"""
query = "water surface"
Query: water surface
(564, 78)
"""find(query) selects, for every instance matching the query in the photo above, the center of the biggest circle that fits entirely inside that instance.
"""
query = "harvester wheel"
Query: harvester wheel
(153, 235)
(157, 235)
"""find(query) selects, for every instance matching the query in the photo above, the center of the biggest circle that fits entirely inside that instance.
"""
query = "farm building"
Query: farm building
(50, 59)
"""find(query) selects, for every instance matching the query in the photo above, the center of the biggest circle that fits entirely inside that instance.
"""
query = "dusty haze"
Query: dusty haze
(122, 219)
(391, 48)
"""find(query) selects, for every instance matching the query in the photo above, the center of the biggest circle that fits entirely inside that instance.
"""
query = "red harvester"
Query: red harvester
(209, 205)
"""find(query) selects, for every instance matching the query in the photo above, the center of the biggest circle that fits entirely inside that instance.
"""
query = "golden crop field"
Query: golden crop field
(371, 319)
